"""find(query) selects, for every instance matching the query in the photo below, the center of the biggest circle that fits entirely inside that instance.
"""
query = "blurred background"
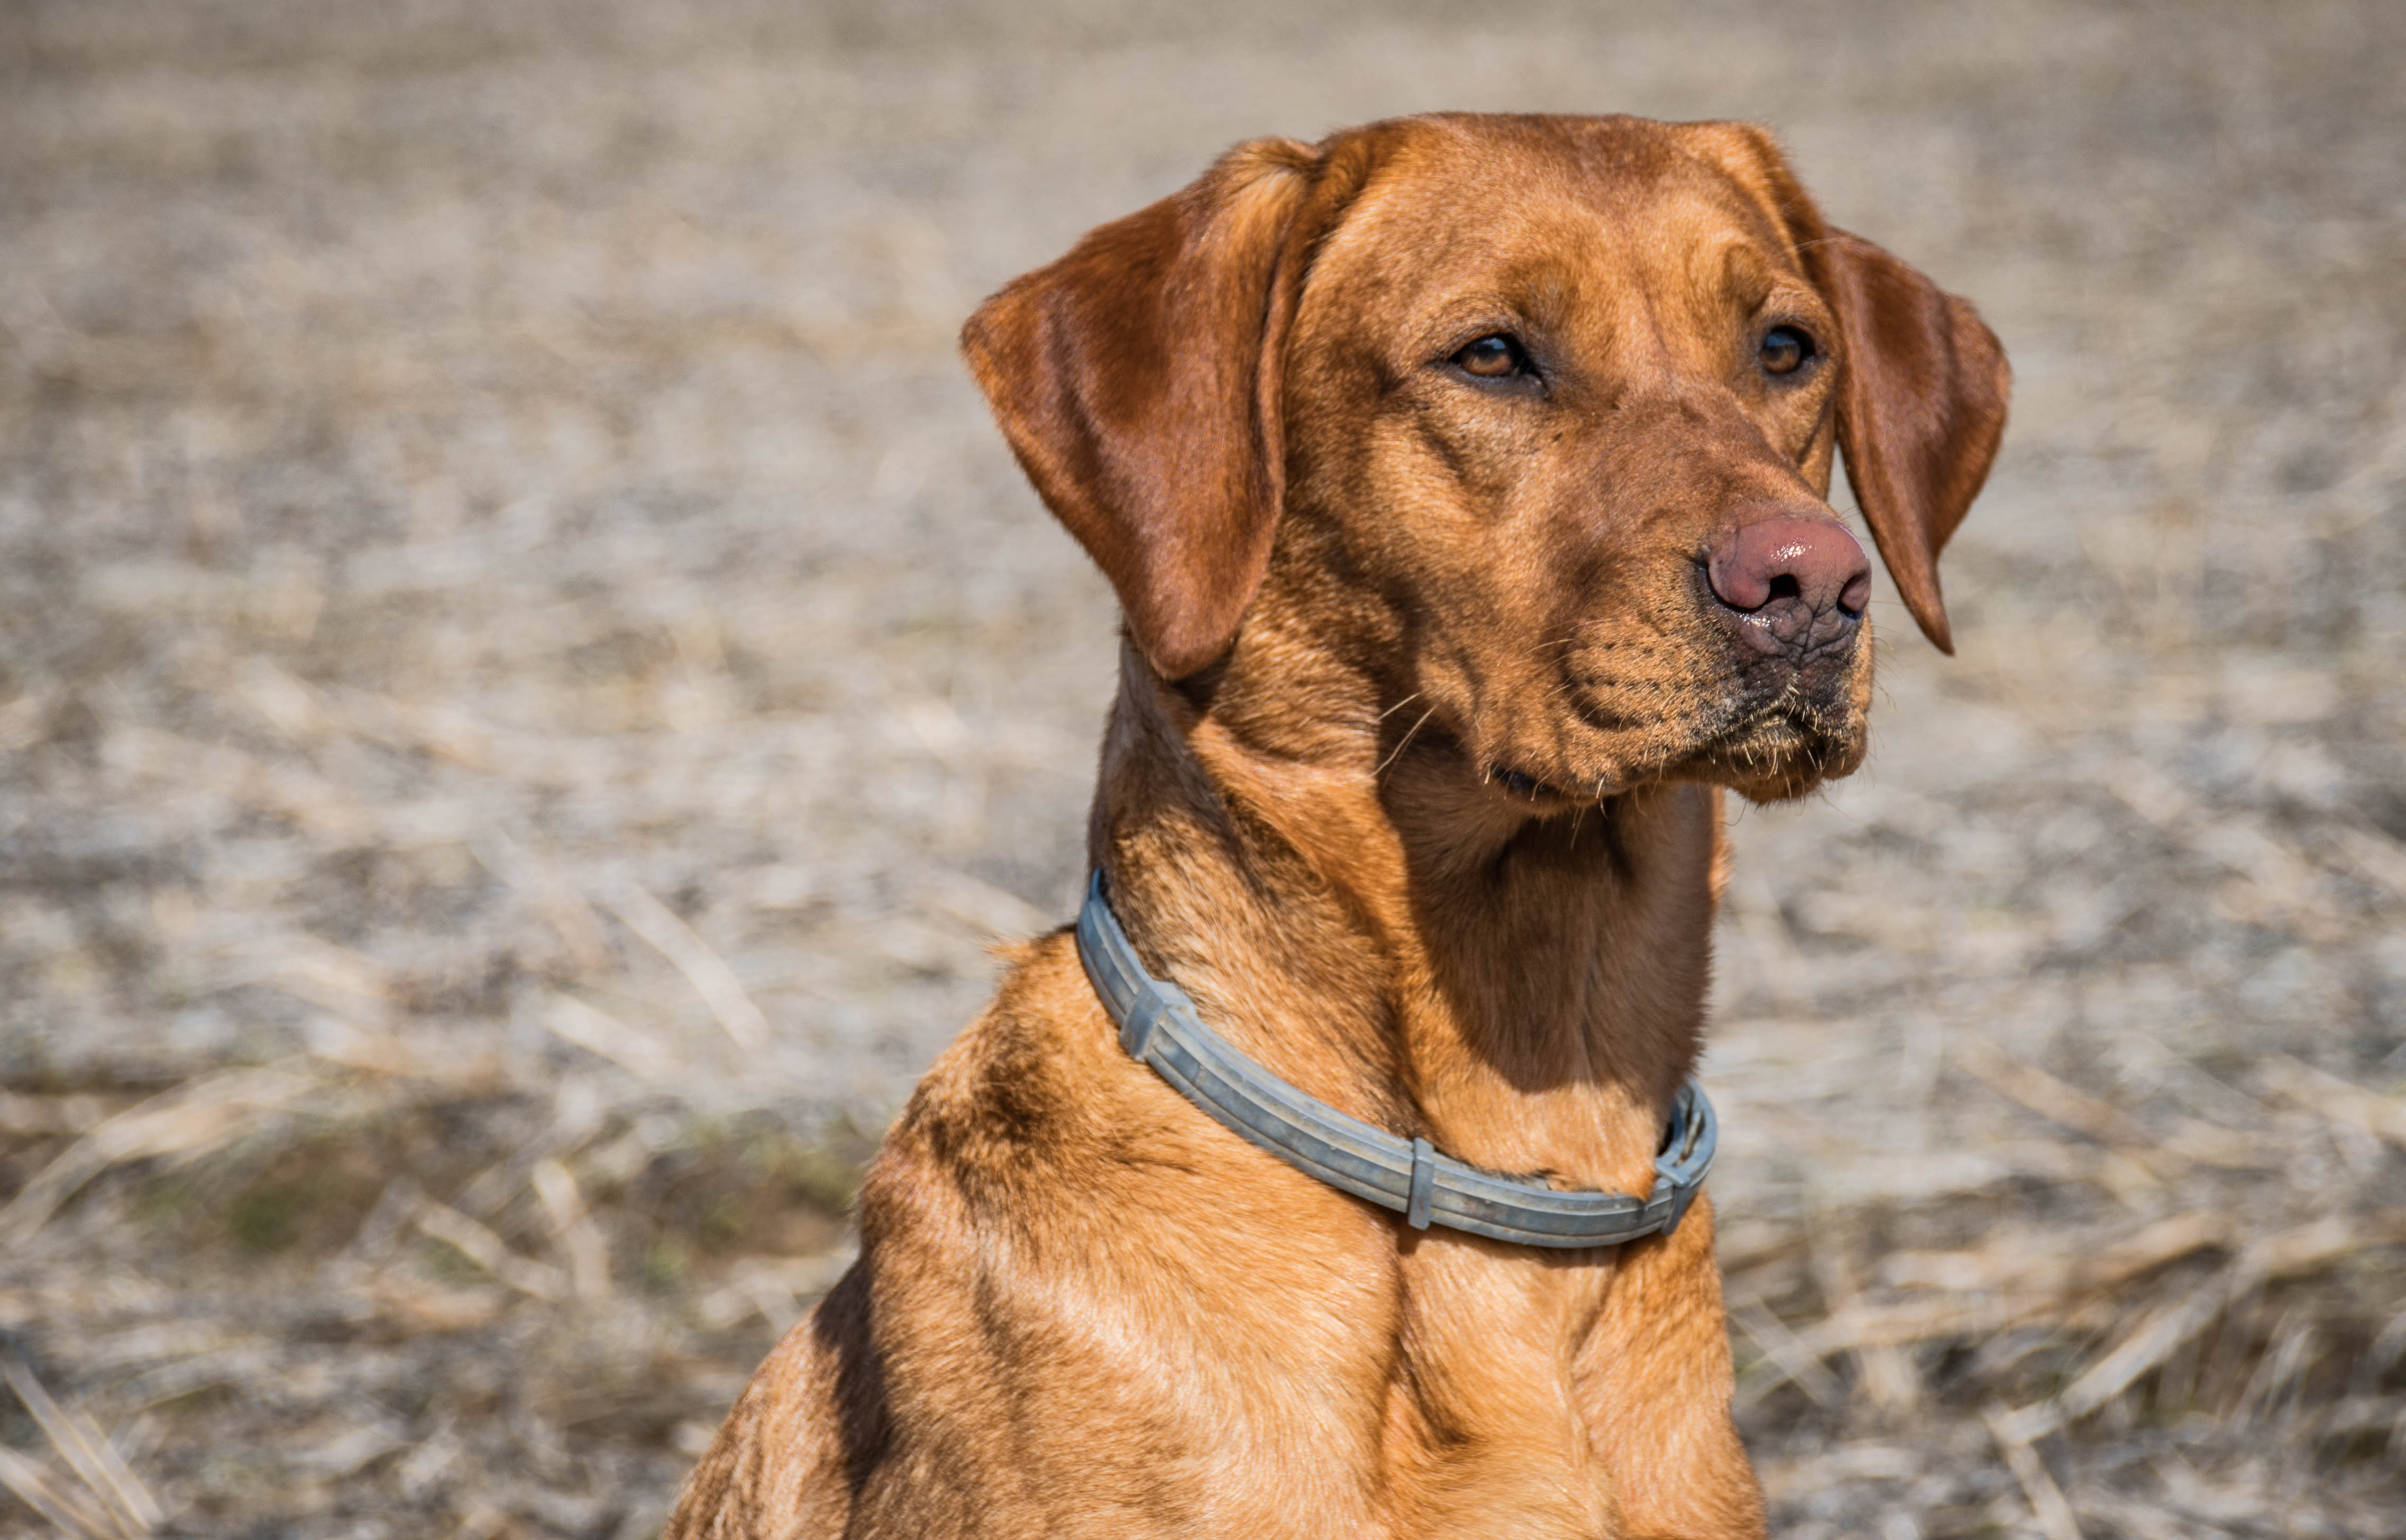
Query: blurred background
(528, 682)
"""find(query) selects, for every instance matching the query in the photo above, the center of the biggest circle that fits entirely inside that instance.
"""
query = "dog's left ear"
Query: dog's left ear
(1923, 386)
(1921, 409)
(1139, 381)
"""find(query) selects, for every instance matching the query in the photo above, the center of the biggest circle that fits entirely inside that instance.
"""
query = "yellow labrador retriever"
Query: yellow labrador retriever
(1463, 483)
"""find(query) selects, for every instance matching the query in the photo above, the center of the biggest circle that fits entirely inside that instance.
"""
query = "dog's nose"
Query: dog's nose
(1787, 571)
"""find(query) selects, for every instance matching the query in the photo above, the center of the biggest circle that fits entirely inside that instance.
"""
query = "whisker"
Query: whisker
(1402, 742)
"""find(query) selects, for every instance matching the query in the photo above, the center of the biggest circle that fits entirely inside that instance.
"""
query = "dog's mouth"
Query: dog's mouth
(1781, 751)
(1767, 748)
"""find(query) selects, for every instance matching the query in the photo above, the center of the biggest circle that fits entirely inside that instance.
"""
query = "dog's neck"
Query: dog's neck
(1349, 904)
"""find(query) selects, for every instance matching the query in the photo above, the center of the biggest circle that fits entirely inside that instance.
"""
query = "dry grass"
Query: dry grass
(526, 684)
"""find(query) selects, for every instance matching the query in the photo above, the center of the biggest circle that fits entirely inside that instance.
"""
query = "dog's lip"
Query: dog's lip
(1535, 792)
(1721, 720)
(1808, 744)
(1710, 743)
(1713, 738)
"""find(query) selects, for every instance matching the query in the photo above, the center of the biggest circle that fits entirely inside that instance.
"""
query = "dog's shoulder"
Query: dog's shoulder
(1023, 1096)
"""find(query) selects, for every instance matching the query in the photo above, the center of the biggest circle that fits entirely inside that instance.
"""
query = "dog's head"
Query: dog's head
(1530, 418)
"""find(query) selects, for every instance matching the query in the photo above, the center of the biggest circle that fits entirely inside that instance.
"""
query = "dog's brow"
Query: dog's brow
(1737, 267)
(1459, 316)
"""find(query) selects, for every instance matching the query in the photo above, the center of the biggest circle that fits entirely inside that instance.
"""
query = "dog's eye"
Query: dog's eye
(1785, 348)
(1493, 358)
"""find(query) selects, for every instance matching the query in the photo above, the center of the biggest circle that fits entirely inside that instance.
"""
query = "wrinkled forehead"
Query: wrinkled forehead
(1552, 219)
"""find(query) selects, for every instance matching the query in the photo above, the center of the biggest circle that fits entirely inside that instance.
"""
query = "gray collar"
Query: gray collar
(1158, 1024)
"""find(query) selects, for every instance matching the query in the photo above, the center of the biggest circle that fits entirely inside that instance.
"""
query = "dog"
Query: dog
(1463, 480)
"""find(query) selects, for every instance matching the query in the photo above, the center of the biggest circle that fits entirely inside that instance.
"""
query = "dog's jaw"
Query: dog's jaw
(1552, 742)
(1783, 752)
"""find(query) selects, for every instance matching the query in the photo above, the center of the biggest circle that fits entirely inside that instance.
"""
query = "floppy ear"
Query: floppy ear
(1922, 387)
(1921, 407)
(1138, 379)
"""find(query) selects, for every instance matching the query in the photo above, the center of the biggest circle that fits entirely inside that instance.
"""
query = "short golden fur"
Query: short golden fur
(1413, 783)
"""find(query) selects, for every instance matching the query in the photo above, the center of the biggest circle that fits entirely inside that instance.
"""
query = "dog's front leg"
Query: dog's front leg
(1485, 1433)
(1655, 1381)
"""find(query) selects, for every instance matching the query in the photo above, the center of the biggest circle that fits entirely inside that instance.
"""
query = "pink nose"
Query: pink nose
(1813, 561)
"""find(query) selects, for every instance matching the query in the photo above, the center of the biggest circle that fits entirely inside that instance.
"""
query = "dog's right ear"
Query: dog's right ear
(1138, 379)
